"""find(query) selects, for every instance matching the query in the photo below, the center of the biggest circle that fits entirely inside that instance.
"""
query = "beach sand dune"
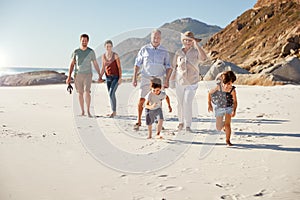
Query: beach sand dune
(48, 151)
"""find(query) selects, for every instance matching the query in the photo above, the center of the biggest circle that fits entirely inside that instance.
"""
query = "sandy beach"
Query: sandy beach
(48, 151)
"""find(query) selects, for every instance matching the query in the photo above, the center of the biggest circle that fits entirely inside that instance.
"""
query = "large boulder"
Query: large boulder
(33, 78)
(289, 70)
(221, 66)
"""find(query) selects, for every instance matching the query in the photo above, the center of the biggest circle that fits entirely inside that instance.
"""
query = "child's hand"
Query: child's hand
(153, 105)
(233, 114)
(210, 108)
(170, 109)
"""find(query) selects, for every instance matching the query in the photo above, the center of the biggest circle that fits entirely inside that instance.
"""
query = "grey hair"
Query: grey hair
(156, 31)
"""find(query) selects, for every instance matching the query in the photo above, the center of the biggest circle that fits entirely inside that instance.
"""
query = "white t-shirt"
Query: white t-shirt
(157, 99)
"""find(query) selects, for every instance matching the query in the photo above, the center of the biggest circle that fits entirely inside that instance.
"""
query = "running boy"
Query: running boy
(224, 97)
(154, 107)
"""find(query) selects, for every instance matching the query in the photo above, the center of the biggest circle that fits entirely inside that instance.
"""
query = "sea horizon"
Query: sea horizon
(18, 70)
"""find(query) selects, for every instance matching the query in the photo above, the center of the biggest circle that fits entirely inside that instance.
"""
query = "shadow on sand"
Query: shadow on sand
(216, 135)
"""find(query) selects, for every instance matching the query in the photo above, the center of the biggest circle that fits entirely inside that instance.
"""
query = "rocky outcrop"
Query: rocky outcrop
(261, 38)
(221, 66)
(289, 70)
(33, 78)
(291, 47)
(258, 79)
(263, 3)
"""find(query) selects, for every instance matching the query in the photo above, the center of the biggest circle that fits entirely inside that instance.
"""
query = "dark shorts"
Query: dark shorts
(151, 115)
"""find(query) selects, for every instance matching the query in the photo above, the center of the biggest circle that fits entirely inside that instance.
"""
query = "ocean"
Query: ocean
(17, 70)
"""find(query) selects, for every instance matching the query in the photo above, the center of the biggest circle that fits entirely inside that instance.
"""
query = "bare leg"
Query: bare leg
(81, 102)
(149, 131)
(88, 102)
(219, 123)
(227, 126)
(140, 110)
(159, 128)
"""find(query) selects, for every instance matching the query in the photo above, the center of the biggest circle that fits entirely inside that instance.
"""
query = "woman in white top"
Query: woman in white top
(186, 75)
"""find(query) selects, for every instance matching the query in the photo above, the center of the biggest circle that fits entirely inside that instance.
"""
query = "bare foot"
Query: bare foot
(180, 127)
(228, 143)
(158, 136)
(112, 115)
(136, 126)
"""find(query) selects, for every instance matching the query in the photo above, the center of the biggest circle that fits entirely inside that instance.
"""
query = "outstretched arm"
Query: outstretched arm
(96, 66)
(209, 101)
(234, 103)
(169, 103)
(119, 68)
(168, 74)
(134, 79)
(72, 64)
(102, 70)
(210, 107)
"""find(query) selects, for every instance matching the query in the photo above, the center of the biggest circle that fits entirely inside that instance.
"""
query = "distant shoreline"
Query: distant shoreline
(18, 70)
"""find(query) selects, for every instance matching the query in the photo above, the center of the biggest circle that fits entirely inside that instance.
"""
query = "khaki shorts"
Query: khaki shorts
(83, 82)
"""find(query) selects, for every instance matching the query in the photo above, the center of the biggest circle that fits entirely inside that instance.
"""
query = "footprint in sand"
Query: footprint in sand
(225, 186)
(260, 194)
(164, 188)
(229, 197)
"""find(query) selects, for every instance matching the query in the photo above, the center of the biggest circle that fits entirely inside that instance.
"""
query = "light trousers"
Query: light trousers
(185, 96)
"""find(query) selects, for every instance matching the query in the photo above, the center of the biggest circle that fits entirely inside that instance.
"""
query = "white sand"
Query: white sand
(44, 152)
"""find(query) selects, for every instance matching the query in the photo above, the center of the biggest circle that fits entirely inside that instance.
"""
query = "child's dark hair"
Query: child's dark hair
(228, 76)
(155, 83)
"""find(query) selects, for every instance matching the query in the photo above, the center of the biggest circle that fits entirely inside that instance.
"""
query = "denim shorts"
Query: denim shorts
(151, 115)
(220, 112)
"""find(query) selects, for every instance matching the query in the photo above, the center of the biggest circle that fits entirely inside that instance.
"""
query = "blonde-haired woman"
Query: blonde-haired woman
(186, 77)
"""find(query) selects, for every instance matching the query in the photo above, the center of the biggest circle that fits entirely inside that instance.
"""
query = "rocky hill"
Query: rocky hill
(128, 48)
(261, 38)
(33, 78)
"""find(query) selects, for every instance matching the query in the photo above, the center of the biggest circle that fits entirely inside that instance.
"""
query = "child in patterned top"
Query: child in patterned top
(225, 100)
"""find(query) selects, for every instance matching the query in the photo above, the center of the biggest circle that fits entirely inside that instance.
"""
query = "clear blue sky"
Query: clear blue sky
(40, 33)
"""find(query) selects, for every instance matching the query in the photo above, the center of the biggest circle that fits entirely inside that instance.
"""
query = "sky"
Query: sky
(44, 33)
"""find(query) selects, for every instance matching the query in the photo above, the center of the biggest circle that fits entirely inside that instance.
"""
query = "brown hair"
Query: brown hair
(155, 83)
(84, 36)
(108, 42)
(228, 76)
